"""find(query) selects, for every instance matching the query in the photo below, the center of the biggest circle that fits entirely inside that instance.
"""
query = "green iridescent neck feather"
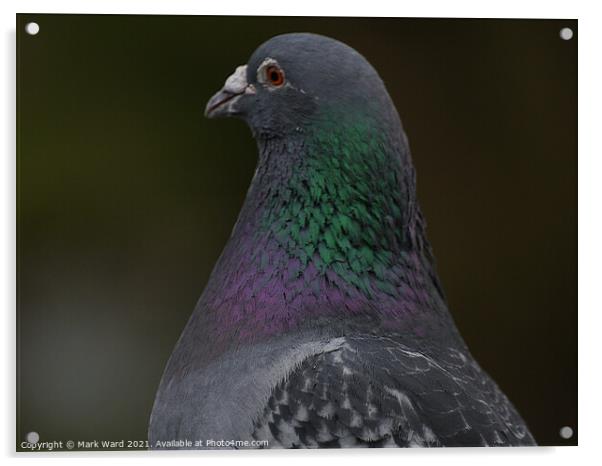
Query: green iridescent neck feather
(347, 205)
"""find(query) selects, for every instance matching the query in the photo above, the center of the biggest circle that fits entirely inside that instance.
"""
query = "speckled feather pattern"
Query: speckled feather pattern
(376, 392)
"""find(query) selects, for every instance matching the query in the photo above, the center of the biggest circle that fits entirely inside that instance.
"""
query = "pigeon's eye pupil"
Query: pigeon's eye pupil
(275, 76)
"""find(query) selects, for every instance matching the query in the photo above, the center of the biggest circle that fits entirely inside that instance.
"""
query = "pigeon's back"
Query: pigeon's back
(357, 390)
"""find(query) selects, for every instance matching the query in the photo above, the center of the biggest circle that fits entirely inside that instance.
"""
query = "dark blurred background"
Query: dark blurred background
(126, 196)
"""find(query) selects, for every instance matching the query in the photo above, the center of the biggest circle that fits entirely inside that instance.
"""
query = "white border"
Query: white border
(590, 231)
(441, 8)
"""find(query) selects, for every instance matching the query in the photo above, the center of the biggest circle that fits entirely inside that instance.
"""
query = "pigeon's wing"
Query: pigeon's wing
(373, 391)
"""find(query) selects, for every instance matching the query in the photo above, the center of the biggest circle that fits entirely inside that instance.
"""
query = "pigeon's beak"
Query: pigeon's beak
(223, 103)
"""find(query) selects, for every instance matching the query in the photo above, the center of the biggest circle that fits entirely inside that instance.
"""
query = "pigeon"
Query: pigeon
(324, 323)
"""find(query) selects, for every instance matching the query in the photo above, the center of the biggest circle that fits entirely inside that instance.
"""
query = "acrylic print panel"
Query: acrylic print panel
(323, 319)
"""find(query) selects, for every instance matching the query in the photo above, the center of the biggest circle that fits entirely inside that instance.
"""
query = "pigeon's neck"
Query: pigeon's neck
(330, 225)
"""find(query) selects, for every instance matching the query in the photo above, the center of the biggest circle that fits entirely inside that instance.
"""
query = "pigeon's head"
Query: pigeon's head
(295, 80)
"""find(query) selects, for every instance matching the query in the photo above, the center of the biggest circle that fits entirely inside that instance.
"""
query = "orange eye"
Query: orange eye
(274, 75)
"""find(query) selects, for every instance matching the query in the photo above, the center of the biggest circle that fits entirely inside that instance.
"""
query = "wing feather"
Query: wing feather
(374, 391)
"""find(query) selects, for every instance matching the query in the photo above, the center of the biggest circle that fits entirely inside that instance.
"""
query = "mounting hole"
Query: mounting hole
(32, 437)
(566, 432)
(32, 28)
(566, 33)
